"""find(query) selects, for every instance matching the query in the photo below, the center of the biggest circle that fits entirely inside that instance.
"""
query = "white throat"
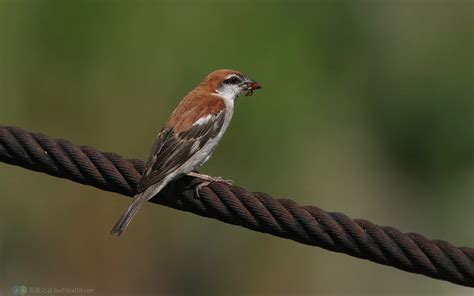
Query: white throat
(229, 94)
(229, 98)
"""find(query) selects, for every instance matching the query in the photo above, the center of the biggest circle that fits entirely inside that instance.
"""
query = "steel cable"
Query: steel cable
(235, 205)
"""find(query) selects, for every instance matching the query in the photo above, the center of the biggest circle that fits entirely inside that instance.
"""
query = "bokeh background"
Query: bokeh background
(367, 109)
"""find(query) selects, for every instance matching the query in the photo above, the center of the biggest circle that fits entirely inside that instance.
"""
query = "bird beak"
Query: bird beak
(251, 85)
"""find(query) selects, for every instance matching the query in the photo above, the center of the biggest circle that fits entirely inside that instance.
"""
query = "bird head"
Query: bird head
(229, 84)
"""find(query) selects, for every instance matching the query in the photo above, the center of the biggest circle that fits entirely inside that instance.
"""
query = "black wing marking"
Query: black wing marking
(171, 150)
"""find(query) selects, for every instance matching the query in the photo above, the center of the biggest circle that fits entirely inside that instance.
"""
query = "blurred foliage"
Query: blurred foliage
(366, 109)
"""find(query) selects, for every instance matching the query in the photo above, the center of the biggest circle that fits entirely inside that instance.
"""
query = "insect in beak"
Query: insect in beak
(251, 86)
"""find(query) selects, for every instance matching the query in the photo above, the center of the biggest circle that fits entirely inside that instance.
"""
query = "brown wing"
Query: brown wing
(187, 111)
(173, 148)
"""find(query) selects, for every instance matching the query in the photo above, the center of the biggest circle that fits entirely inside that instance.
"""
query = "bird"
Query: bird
(189, 137)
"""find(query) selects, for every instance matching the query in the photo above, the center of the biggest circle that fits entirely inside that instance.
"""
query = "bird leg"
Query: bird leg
(210, 178)
(207, 180)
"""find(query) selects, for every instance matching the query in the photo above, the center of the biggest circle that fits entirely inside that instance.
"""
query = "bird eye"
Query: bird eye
(232, 80)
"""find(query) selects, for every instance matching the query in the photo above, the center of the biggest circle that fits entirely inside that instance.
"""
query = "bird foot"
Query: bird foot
(207, 180)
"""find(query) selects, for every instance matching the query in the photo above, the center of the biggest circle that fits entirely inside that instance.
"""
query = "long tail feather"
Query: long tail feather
(127, 216)
(136, 204)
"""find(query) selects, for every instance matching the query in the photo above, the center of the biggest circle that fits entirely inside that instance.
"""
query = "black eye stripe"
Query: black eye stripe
(232, 80)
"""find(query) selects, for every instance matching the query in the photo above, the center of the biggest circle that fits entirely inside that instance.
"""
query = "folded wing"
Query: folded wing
(174, 148)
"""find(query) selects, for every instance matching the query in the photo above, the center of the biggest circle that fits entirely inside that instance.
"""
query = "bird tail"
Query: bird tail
(132, 210)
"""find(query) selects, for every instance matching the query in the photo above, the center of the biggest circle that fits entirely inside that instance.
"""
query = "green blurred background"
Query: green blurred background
(366, 109)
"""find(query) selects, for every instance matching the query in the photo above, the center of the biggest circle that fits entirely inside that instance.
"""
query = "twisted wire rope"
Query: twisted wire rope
(258, 211)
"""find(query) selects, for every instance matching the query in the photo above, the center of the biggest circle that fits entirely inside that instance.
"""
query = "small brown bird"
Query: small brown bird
(190, 136)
